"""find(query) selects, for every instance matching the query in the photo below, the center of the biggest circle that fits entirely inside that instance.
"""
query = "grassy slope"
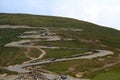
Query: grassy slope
(34, 53)
(112, 74)
(85, 65)
(62, 53)
(91, 31)
(108, 76)
(10, 56)
(107, 36)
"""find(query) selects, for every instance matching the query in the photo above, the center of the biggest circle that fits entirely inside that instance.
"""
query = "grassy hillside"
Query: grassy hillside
(107, 36)
(92, 37)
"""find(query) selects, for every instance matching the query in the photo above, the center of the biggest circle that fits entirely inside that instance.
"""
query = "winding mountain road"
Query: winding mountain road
(19, 68)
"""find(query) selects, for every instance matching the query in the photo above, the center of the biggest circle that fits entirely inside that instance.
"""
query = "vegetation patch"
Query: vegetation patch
(91, 37)
(35, 53)
(64, 67)
(108, 76)
(62, 53)
(12, 56)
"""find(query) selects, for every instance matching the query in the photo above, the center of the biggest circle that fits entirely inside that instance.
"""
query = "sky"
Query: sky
(102, 12)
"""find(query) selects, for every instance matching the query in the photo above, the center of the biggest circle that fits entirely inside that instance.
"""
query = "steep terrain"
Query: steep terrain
(77, 48)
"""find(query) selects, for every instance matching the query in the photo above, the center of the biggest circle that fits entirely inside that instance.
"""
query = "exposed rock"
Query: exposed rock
(101, 59)
(79, 75)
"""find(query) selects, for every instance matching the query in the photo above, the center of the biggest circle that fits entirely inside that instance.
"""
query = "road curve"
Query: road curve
(30, 37)
(19, 68)
(39, 57)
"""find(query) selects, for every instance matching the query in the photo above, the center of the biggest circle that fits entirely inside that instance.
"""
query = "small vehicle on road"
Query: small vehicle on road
(49, 46)
(52, 59)
(63, 77)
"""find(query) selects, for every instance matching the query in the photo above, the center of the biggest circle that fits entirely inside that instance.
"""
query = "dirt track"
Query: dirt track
(49, 37)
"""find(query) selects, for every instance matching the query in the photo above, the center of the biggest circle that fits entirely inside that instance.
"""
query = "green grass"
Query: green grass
(112, 73)
(35, 53)
(63, 67)
(107, 36)
(108, 76)
(12, 56)
(8, 55)
(62, 53)
(84, 65)
(8, 35)
(61, 43)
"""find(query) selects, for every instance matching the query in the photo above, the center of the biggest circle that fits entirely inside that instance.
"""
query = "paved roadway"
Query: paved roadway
(23, 43)
(19, 68)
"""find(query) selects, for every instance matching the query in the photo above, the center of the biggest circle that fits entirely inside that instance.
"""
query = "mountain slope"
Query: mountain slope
(108, 36)
(85, 36)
